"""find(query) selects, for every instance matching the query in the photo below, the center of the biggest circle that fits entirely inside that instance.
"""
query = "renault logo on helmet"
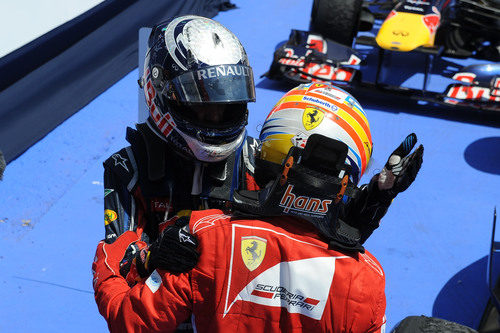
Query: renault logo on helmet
(223, 70)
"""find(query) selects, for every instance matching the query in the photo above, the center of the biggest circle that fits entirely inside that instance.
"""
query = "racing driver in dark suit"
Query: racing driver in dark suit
(197, 82)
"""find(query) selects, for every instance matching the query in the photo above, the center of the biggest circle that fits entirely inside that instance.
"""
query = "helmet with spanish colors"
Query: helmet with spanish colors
(318, 108)
(197, 82)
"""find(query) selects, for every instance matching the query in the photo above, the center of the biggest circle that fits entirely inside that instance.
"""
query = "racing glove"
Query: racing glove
(108, 256)
(366, 211)
(174, 251)
(135, 255)
(401, 169)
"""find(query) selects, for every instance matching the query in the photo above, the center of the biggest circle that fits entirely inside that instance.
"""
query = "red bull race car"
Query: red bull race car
(341, 31)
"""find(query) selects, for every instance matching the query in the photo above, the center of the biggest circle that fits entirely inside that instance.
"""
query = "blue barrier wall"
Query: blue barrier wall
(69, 67)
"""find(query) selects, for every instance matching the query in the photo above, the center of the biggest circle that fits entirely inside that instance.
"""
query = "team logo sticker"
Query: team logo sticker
(120, 160)
(109, 216)
(303, 204)
(253, 250)
(312, 117)
(154, 281)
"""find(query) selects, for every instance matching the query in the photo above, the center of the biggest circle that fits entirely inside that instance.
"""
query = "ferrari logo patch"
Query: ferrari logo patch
(312, 117)
(253, 250)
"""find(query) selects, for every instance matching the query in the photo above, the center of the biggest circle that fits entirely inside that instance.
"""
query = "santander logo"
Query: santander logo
(315, 206)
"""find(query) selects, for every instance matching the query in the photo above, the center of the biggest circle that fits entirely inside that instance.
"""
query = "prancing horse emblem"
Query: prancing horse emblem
(253, 250)
(312, 117)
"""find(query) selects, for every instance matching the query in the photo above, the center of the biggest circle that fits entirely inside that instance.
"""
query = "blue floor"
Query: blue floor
(432, 243)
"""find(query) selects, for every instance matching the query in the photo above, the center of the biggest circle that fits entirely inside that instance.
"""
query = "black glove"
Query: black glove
(174, 251)
(401, 169)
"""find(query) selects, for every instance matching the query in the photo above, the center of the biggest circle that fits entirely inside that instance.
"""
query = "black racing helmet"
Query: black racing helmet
(197, 82)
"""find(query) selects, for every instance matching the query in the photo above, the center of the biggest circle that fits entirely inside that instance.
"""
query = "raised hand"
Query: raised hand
(401, 168)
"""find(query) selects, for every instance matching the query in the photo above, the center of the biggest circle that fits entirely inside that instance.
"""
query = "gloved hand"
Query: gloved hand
(401, 169)
(174, 251)
(135, 256)
(108, 256)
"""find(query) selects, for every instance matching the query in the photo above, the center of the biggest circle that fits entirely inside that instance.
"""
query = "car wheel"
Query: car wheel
(423, 324)
(337, 20)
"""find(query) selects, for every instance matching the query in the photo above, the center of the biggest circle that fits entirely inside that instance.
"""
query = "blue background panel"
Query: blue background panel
(432, 243)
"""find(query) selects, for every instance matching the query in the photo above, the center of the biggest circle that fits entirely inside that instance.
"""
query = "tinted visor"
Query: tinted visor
(215, 115)
(216, 84)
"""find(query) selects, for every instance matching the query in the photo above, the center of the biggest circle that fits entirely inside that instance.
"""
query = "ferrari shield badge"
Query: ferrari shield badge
(253, 250)
(312, 117)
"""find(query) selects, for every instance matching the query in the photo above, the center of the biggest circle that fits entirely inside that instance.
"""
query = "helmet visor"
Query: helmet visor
(216, 84)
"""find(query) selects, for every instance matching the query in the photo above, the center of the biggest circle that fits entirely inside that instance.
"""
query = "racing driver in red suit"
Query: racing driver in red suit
(284, 261)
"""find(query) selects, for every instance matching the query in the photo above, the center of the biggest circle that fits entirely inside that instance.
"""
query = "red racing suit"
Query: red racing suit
(268, 275)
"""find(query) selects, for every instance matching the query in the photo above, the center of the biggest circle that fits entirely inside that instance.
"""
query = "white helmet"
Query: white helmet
(318, 108)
